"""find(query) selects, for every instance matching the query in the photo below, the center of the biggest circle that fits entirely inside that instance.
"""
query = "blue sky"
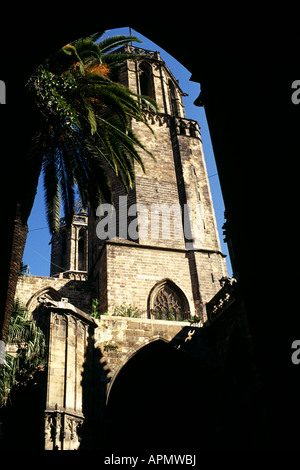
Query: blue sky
(37, 250)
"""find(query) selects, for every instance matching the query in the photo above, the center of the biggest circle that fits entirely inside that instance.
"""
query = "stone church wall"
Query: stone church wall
(118, 338)
(130, 271)
(79, 293)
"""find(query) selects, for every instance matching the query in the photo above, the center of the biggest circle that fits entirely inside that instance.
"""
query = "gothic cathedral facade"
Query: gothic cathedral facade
(162, 258)
(171, 259)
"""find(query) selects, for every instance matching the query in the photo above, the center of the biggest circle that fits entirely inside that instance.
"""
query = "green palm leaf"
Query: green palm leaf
(85, 133)
(109, 44)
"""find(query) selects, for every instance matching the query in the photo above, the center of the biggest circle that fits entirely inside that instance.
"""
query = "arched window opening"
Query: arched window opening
(182, 129)
(82, 250)
(192, 131)
(168, 302)
(173, 99)
(146, 80)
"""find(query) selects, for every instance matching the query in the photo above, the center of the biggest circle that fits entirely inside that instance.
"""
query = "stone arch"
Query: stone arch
(146, 401)
(36, 303)
(45, 293)
(167, 301)
(127, 357)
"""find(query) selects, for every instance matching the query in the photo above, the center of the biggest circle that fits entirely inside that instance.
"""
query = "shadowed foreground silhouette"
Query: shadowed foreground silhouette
(156, 402)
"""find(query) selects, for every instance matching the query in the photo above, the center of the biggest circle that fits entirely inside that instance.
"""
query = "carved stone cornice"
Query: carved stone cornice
(221, 301)
(62, 429)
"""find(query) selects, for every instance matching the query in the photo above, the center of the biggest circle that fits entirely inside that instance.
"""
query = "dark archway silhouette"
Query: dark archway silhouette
(246, 89)
(239, 397)
(155, 402)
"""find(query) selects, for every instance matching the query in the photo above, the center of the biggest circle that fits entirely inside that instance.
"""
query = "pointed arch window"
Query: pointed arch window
(168, 302)
(192, 130)
(82, 250)
(182, 129)
(146, 80)
(173, 99)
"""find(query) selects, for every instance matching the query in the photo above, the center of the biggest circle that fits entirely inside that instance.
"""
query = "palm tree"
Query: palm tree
(85, 132)
(83, 136)
(28, 342)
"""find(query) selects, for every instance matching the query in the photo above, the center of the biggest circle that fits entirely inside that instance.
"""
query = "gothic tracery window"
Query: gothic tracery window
(167, 302)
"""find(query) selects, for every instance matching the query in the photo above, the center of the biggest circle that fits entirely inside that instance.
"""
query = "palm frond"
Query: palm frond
(90, 114)
(109, 44)
(66, 181)
(51, 189)
(72, 52)
(96, 36)
(86, 137)
(88, 51)
(148, 104)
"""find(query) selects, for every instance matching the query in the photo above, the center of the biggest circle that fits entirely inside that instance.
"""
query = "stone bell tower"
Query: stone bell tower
(168, 258)
(69, 253)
